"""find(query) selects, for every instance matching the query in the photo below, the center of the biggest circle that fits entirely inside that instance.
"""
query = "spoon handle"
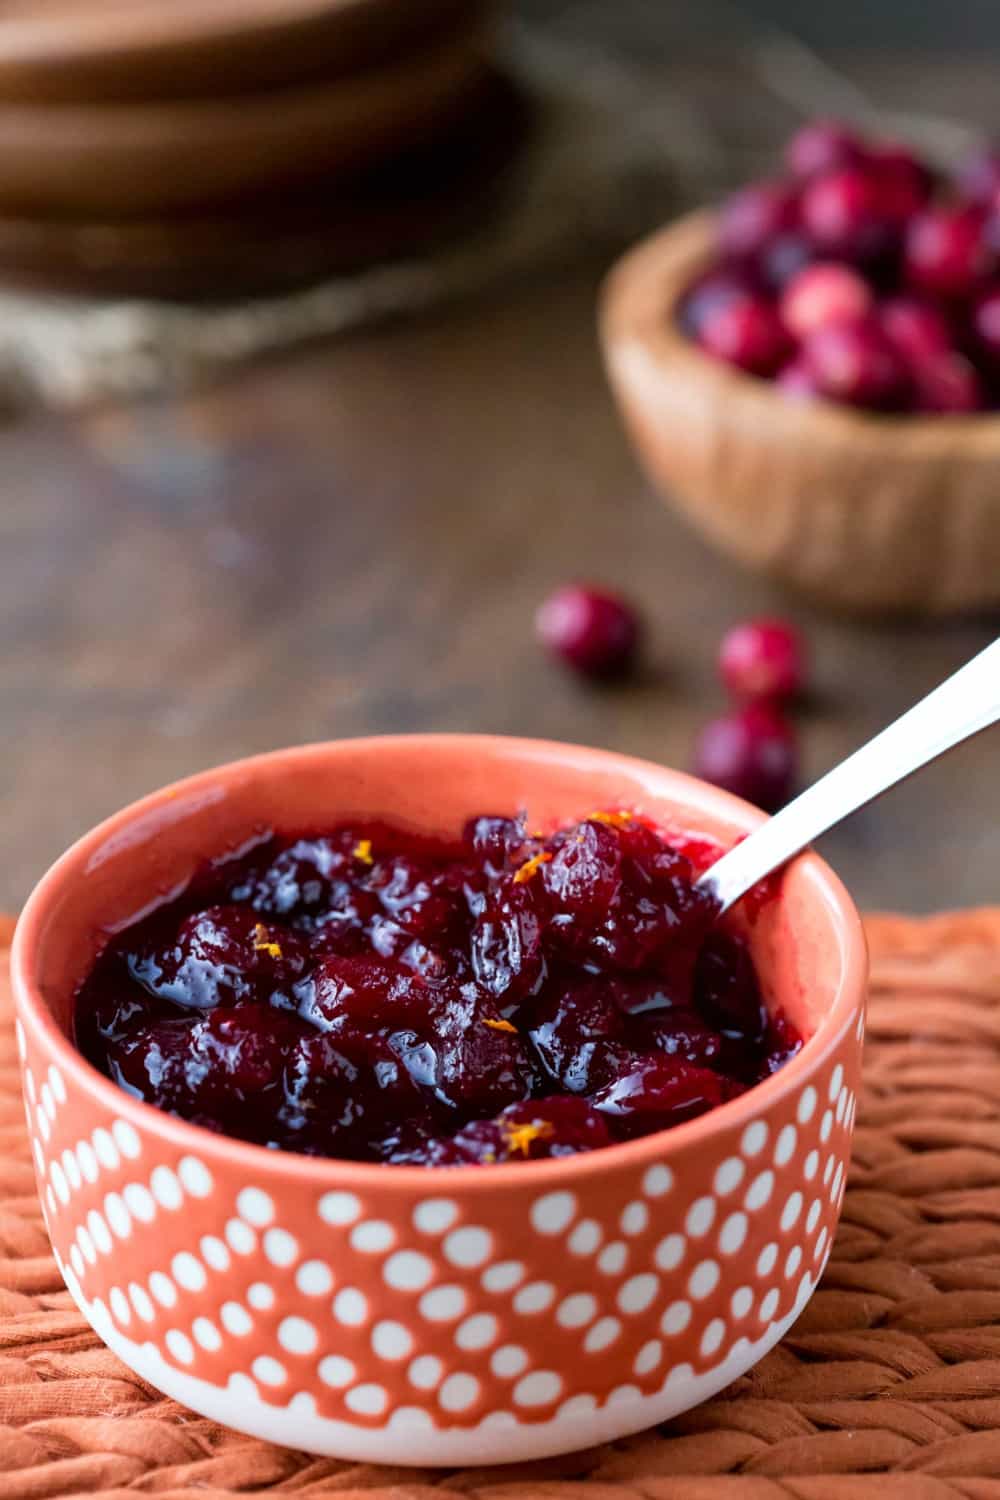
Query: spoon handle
(964, 704)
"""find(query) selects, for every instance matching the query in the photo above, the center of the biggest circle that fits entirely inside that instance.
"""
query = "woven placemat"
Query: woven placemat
(888, 1385)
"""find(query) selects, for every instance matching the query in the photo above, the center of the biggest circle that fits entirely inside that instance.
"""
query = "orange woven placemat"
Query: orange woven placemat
(888, 1385)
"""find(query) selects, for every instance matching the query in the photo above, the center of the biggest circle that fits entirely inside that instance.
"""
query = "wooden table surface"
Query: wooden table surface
(353, 539)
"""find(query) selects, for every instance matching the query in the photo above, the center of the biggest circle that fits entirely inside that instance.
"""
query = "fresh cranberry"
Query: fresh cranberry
(750, 752)
(947, 382)
(712, 291)
(782, 258)
(592, 630)
(746, 332)
(753, 216)
(945, 254)
(855, 363)
(824, 293)
(917, 330)
(823, 146)
(762, 659)
(847, 215)
(978, 177)
(906, 182)
(985, 322)
(797, 381)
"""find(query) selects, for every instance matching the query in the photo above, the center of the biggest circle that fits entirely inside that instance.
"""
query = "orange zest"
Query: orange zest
(363, 851)
(263, 942)
(613, 819)
(500, 1025)
(530, 867)
(520, 1137)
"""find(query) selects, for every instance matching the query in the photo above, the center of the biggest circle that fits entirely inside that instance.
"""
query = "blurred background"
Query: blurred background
(304, 410)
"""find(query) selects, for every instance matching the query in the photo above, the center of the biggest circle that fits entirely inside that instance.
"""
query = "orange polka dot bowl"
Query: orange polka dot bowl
(436, 1315)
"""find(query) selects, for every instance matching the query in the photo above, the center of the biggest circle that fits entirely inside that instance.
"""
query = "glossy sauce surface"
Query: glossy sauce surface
(370, 995)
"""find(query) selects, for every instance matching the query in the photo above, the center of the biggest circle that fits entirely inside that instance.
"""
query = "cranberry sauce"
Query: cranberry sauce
(372, 996)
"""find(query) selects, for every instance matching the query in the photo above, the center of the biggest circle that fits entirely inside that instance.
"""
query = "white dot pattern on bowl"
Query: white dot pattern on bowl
(438, 1315)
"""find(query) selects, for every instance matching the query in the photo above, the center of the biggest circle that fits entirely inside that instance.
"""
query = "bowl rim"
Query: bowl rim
(667, 262)
(333, 1172)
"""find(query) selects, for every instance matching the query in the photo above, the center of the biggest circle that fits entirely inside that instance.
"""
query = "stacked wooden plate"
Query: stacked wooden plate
(218, 147)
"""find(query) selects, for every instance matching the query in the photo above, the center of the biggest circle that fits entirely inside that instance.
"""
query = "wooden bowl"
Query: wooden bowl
(861, 512)
(91, 50)
(145, 159)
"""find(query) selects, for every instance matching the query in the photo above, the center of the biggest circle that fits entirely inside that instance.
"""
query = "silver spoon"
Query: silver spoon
(964, 704)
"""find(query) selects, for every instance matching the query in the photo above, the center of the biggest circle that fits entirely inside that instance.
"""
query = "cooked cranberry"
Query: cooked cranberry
(856, 364)
(312, 876)
(746, 332)
(481, 1061)
(512, 996)
(726, 989)
(824, 293)
(946, 383)
(583, 876)
(593, 631)
(219, 956)
(978, 178)
(657, 1088)
(917, 330)
(507, 952)
(420, 898)
(762, 659)
(495, 841)
(338, 1096)
(712, 291)
(945, 253)
(362, 993)
(753, 216)
(986, 326)
(823, 146)
(847, 216)
(222, 1059)
(575, 1030)
(750, 752)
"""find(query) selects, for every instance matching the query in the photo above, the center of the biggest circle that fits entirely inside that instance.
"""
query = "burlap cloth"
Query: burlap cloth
(888, 1385)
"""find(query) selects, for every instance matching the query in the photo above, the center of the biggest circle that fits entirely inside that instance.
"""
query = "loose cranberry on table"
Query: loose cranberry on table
(762, 660)
(371, 995)
(751, 752)
(592, 630)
